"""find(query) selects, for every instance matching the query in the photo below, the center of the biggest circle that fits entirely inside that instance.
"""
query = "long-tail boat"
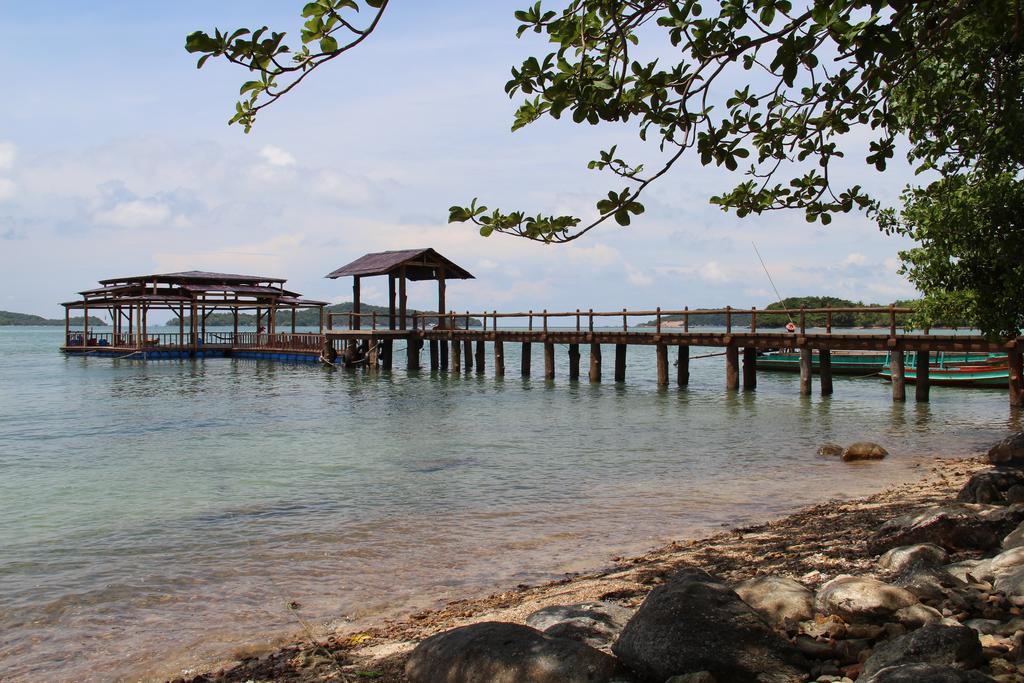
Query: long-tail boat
(868, 363)
(994, 372)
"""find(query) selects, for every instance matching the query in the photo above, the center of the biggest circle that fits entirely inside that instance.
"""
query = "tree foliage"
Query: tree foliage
(773, 90)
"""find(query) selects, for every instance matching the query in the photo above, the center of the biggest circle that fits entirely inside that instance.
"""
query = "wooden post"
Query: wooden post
(193, 326)
(403, 304)
(391, 301)
(825, 371)
(355, 303)
(387, 352)
(549, 358)
(434, 359)
(456, 356)
(85, 324)
(896, 365)
(524, 362)
(574, 359)
(293, 320)
(1016, 363)
(922, 383)
(412, 353)
(480, 350)
(468, 353)
(67, 325)
(595, 362)
(443, 349)
(373, 354)
(620, 360)
(499, 358)
(805, 370)
(662, 361)
(732, 367)
(683, 365)
(234, 324)
(749, 368)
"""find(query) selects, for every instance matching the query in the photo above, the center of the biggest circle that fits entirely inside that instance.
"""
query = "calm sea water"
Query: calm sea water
(158, 515)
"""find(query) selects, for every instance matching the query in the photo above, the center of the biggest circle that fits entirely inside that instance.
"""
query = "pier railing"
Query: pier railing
(279, 341)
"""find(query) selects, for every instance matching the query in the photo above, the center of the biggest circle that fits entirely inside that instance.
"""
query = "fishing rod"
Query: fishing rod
(781, 301)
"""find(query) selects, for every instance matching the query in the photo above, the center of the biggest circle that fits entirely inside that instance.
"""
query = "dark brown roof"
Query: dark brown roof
(197, 276)
(420, 264)
(297, 301)
(238, 289)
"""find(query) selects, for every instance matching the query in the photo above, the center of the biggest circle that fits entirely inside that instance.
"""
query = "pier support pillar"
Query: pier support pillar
(749, 368)
(480, 350)
(574, 361)
(524, 361)
(922, 382)
(499, 358)
(805, 370)
(412, 354)
(825, 371)
(896, 365)
(442, 347)
(468, 353)
(732, 367)
(620, 362)
(388, 354)
(434, 359)
(1016, 367)
(662, 360)
(683, 365)
(595, 363)
(549, 360)
(373, 355)
(456, 356)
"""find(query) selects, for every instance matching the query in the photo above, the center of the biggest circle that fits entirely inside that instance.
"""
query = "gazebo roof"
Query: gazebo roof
(419, 264)
(195, 276)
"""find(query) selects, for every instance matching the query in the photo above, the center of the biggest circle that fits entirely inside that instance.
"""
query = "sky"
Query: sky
(116, 159)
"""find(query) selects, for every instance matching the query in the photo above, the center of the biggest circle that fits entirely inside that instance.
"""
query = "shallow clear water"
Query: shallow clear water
(158, 515)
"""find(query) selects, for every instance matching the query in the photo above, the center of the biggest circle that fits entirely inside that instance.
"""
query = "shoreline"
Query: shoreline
(813, 545)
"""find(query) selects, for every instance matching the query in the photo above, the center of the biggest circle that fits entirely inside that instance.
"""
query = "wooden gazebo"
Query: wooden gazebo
(400, 266)
(195, 294)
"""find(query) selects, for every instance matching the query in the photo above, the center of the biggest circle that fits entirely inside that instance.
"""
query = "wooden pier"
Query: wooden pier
(459, 342)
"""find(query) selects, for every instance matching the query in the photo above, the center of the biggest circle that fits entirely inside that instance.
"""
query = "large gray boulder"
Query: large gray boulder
(992, 487)
(778, 599)
(1009, 451)
(928, 583)
(939, 645)
(958, 526)
(498, 652)
(970, 571)
(862, 598)
(926, 673)
(864, 450)
(1014, 539)
(694, 623)
(898, 560)
(597, 623)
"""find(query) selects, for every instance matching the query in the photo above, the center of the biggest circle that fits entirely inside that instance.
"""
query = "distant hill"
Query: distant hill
(310, 317)
(9, 318)
(793, 305)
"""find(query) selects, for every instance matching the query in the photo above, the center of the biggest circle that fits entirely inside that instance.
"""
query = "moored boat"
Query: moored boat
(843, 362)
(966, 376)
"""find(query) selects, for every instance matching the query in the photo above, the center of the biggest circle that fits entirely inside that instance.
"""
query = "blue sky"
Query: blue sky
(115, 159)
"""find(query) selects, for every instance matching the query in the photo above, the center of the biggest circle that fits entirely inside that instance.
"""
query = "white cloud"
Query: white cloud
(855, 259)
(138, 213)
(340, 187)
(6, 189)
(712, 271)
(7, 153)
(637, 277)
(599, 255)
(275, 156)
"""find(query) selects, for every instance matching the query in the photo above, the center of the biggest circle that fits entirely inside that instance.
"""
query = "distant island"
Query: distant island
(9, 318)
(310, 317)
(775, 314)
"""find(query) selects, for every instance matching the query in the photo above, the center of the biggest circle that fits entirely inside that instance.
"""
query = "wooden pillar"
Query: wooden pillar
(435, 361)
(355, 302)
(595, 362)
(1016, 366)
(620, 362)
(468, 353)
(524, 361)
(805, 370)
(683, 365)
(234, 322)
(203, 313)
(661, 353)
(293, 320)
(412, 354)
(442, 347)
(391, 301)
(440, 297)
(85, 325)
(499, 358)
(67, 325)
(549, 360)
(373, 354)
(145, 325)
(480, 350)
(456, 356)
(922, 382)
(749, 368)
(732, 367)
(403, 307)
(825, 371)
(897, 365)
(387, 352)
(574, 361)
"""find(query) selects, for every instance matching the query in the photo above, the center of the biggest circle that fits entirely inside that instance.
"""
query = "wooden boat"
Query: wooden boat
(967, 376)
(868, 363)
